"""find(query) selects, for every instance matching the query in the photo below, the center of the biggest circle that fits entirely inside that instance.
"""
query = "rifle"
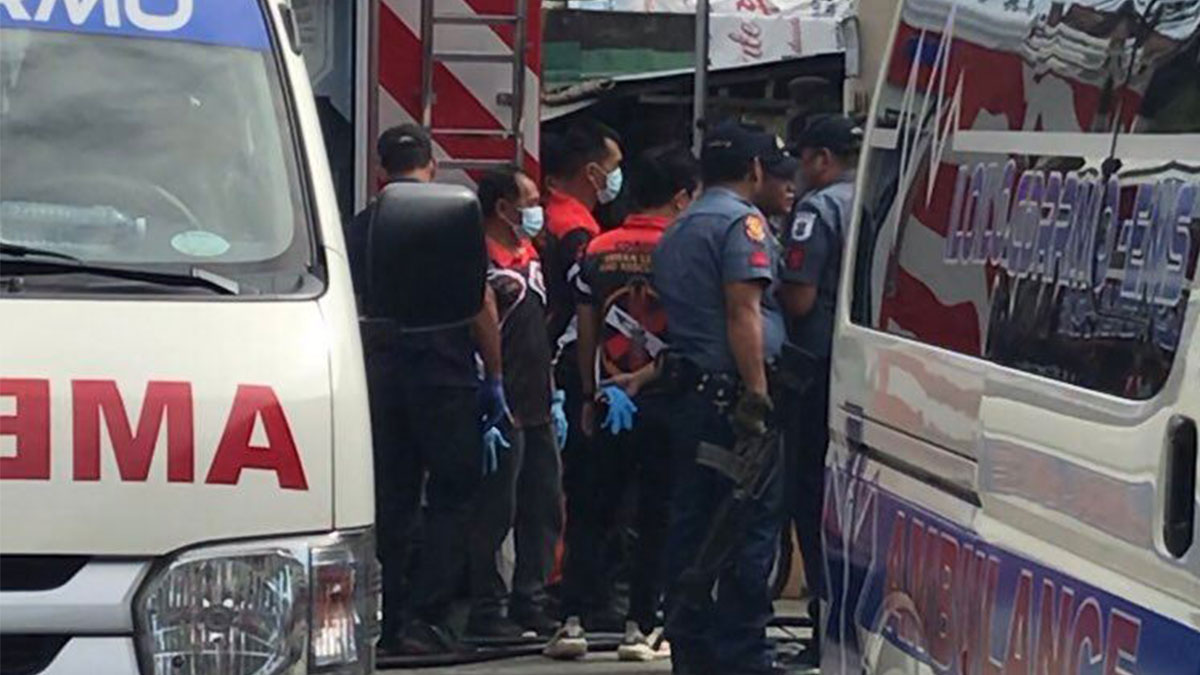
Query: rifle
(752, 465)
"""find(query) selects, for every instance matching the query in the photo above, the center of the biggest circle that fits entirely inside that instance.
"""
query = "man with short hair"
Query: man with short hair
(525, 489)
(714, 270)
(588, 174)
(425, 403)
(585, 173)
(622, 330)
(828, 149)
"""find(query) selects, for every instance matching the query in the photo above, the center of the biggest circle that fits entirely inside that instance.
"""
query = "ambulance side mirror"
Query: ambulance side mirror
(427, 260)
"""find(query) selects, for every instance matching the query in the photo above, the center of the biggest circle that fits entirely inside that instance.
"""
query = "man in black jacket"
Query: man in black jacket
(426, 407)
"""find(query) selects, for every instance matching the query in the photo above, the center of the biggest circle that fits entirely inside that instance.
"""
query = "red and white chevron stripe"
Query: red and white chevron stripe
(465, 93)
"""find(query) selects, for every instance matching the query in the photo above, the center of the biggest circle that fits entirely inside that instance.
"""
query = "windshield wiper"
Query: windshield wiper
(23, 251)
(17, 261)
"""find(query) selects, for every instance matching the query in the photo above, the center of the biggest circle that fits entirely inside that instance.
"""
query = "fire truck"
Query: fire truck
(470, 70)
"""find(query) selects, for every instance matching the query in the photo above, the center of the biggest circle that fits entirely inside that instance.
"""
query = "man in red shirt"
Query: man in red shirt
(585, 172)
(588, 174)
(622, 329)
(524, 487)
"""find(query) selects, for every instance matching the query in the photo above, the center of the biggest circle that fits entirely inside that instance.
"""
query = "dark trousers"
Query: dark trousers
(729, 631)
(524, 495)
(639, 458)
(418, 431)
(806, 439)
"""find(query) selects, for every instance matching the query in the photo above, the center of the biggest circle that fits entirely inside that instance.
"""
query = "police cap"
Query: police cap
(736, 142)
(781, 165)
(836, 133)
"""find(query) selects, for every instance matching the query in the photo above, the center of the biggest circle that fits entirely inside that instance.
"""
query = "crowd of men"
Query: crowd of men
(650, 364)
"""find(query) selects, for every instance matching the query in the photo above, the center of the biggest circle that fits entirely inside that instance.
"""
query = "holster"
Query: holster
(677, 374)
(796, 371)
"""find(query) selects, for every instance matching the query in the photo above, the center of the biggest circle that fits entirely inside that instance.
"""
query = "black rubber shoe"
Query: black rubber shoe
(535, 620)
(425, 639)
(493, 627)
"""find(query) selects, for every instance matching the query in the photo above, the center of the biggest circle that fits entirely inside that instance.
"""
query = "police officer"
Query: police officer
(713, 270)
(828, 151)
(425, 402)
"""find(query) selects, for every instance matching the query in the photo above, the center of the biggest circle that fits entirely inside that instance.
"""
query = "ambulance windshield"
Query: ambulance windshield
(149, 152)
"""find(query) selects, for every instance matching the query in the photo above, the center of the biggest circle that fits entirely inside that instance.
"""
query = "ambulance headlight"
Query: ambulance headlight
(286, 606)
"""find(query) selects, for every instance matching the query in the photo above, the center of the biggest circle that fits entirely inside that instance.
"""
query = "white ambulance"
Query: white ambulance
(185, 452)
(1012, 483)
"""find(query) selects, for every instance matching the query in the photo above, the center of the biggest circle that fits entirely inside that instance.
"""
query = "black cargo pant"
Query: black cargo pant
(418, 431)
(524, 495)
(723, 630)
(806, 440)
(611, 465)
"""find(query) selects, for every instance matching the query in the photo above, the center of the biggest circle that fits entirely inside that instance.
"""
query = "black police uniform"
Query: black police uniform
(424, 418)
(720, 239)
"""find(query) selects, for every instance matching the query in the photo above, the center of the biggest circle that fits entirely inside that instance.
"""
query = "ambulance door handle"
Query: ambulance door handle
(1179, 494)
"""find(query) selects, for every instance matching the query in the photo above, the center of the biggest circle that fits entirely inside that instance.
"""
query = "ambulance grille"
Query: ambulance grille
(38, 572)
(29, 654)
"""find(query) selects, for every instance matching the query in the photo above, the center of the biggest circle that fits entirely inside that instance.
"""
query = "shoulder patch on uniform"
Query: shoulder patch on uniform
(795, 259)
(756, 229)
(802, 227)
(759, 259)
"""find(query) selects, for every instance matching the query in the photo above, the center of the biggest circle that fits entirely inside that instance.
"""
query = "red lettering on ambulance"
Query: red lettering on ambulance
(1086, 635)
(134, 452)
(1052, 645)
(978, 600)
(1019, 661)
(894, 574)
(759, 6)
(910, 631)
(944, 636)
(29, 425)
(1124, 633)
(989, 577)
(235, 453)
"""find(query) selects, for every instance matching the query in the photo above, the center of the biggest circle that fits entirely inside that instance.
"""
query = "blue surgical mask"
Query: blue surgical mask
(533, 218)
(612, 186)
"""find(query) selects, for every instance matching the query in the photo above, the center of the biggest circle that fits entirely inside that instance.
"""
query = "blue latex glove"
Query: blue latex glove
(621, 409)
(493, 407)
(494, 443)
(559, 416)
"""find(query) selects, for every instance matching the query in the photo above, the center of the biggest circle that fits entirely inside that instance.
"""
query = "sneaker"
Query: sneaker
(637, 646)
(569, 643)
(534, 620)
(493, 627)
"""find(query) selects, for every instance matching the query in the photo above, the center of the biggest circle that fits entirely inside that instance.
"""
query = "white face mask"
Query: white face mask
(533, 218)
(612, 186)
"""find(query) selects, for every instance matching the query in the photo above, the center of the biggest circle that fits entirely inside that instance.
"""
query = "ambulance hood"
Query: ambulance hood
(140, 427)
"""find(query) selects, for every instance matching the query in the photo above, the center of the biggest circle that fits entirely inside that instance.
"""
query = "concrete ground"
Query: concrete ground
(596, 664)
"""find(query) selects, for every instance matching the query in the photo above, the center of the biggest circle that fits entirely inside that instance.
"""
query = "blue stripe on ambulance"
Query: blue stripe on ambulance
(231, 23)
(950, 600)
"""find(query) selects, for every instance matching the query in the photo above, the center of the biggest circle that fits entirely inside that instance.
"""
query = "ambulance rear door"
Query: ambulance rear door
(1012, 482)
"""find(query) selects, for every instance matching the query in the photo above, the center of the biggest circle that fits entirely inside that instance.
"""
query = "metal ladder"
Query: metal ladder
(514, 99)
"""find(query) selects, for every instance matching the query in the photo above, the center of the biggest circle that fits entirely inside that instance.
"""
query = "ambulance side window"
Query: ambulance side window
(1027, 245)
